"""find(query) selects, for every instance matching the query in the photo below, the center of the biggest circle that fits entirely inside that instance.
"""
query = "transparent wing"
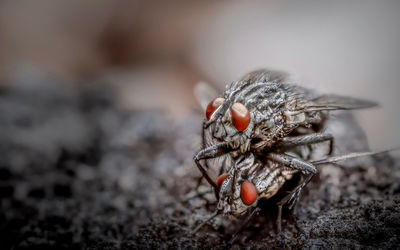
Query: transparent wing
(204, 93)
(265, 75)
(335, 159)
(337, 102)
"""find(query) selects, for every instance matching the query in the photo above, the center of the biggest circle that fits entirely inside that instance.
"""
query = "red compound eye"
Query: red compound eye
(220, 180)
(240, 116)
(212, 106)
(248, 193)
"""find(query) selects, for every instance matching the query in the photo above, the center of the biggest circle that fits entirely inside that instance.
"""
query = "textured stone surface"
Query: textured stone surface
(78, 173)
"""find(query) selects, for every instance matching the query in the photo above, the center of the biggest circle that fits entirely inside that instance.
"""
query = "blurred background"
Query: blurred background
(99, 123)
(153, 53)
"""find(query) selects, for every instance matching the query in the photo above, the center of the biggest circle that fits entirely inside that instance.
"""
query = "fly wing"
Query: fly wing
(337, 102)
(204, 93)
(353, 155)
(265, 75)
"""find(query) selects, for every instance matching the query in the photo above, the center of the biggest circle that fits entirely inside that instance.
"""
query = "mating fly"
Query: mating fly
(266, 126)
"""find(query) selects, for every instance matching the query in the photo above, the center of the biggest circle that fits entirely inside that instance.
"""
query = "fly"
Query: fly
(263, 124)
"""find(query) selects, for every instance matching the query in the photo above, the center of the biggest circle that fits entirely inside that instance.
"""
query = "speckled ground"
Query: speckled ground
(78, 173)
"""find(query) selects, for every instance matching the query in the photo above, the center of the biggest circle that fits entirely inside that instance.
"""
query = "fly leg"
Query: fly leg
(245, 222)
(223, 166)
(291, 200)
(212, 216)
(203, 145)
(293, 162)
(207, 153)
(308, 139)
(202, 194)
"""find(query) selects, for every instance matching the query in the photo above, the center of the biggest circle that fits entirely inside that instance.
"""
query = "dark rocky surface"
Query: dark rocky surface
(78, 173)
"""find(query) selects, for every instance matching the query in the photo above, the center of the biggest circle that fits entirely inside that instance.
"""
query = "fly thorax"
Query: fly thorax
(294, 117)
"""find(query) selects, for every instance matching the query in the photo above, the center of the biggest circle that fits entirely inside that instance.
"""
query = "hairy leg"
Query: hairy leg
(293, 162)
(207, 153)
(212, 216)
(307, 140)
(204, 143)
(244, 223)
(291, 200)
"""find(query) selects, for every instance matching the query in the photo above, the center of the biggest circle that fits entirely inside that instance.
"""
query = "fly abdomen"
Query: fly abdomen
(270, 178)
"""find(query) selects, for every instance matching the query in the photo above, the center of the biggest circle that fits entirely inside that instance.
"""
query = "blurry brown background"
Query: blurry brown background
(154, 52)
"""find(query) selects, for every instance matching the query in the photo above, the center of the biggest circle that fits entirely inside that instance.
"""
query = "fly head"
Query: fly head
(237, 193)
(229, 122)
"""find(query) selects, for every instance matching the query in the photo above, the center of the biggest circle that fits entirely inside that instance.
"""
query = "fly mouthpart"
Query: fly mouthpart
(219, 130)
